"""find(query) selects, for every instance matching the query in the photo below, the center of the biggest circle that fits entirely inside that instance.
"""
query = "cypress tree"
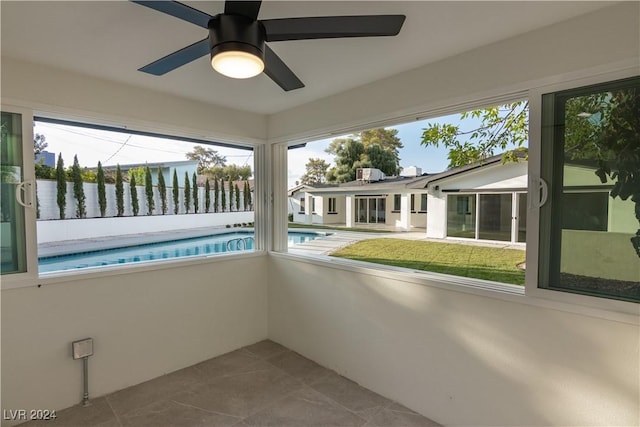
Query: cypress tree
(176, 193)
(230, 194)
(187, 193)
(194, 180)
(78, 190)
(162, 189)
(207, 196)
(249, 197)
(148, 189)
(134, 195)
(223, 196)
(102, 194)
(119, 191)
(245, 195)
(216, 194)
(61, 182)
(237, 197)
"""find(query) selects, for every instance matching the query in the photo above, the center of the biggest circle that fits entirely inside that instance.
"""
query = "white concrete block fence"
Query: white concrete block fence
(51, 228)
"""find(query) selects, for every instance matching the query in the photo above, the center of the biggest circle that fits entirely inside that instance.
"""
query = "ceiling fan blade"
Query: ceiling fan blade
(249, 9)
(178, 59)
(178, 10)
(278, 71)
(327, 27)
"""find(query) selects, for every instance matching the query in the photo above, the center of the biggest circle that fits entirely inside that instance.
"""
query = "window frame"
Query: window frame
(33, 278)
(331, 206)
(529, 294)
(538, 189)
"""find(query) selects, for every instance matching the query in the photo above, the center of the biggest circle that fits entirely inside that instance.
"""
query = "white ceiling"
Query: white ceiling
(113, 39)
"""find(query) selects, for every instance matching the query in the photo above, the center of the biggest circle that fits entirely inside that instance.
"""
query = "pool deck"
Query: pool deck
(323, 246)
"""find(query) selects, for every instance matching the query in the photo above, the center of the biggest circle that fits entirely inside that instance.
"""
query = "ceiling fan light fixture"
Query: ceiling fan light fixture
(237, 64)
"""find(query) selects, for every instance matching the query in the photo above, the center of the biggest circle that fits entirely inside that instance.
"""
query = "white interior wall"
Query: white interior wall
(71, 96)
(144, 324)
(458, 358)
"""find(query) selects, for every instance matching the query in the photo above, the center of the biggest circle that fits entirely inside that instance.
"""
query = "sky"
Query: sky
(110, 148)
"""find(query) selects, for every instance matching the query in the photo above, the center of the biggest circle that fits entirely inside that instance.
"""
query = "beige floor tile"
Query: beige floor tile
(305, 407)
(265, 349)
(168, 413)
(230, 363)
(154, 390)
(98, 414)
(349, 394)
(389, 418)
(298, 366)
(241, 394)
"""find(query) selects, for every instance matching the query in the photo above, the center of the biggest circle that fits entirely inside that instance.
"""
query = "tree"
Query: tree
(119, 191)
(233, 172)
(230, 195)
(102, 194)
(61, 184)
(194, 179)
(162, 189)
(134, 195)
(207, 195)
(237, 197)
(375, 148)
(176, 193)
(39, 144)
(187, 193)
(78, 189)
(609, 136)
(247, 196)
(500, 127)
(148, 189)
(139, 173)
(223, 196)
(216, 195)
(206, 158)
(316, 172)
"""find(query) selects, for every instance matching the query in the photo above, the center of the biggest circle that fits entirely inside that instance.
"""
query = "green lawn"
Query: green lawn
(495, 264)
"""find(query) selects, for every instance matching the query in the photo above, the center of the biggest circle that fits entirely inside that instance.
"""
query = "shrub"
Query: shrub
(223, 196)
(207, 196)
(148, 189)
(230, 185)
(134, 195)
(216, 195)
(176, 193)
(228, 226)
(187, 193)
(162, 189)
(290, 217)
(102, 196)
(194, 180)
(61, 183)
(78, 189)
(119, 192)
(237, 197)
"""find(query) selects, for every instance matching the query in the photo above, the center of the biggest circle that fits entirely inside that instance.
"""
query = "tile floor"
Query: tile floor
(263, 384)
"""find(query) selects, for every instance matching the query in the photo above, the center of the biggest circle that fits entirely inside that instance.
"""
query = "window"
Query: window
(396, 202)
(313, 204)
(413, 203)
(461, 216)
(590, 240)
(423, 202)
(332, 206)
(302, 207)
(371, 210)
(119, 178)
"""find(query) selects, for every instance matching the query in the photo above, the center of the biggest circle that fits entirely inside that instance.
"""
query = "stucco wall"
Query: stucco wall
(458, 358)
(144, 324)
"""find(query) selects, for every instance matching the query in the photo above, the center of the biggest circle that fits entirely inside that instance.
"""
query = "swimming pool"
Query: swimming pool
(212, 244)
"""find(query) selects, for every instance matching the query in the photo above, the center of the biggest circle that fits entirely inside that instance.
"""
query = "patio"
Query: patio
(263, 384)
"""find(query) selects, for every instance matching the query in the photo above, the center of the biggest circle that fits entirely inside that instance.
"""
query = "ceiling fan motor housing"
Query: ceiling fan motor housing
(236, 32)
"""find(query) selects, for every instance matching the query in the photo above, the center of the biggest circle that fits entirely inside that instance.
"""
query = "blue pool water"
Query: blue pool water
(213, 244)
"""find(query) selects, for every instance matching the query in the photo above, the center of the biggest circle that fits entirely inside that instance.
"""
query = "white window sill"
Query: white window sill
(485, 288)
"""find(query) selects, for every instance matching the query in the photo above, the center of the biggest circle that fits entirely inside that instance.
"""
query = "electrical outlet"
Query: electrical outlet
(82, 348)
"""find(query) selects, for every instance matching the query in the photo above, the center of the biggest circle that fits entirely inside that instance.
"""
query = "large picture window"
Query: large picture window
(590, 240)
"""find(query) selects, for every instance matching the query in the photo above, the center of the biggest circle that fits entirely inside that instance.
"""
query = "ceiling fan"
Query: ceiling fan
(237, 38)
